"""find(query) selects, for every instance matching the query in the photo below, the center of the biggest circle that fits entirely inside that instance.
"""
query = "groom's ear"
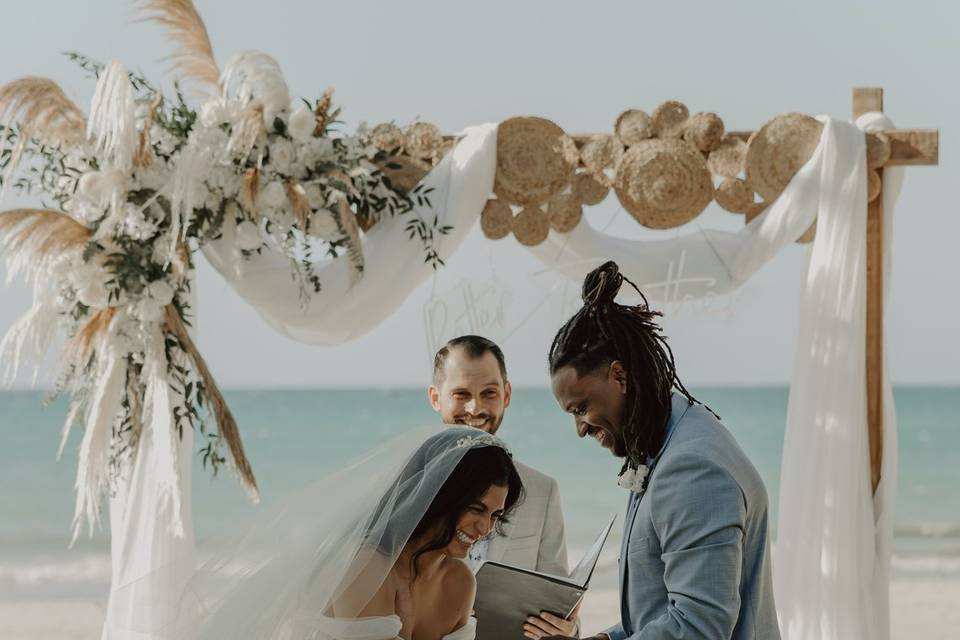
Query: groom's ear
(507, 393)
(433, 394)
(618, 374)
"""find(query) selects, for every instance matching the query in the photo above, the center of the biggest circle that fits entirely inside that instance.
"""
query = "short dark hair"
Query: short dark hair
(475, 347)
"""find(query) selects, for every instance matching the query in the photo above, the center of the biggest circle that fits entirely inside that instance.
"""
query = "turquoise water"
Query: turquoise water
(293, 436)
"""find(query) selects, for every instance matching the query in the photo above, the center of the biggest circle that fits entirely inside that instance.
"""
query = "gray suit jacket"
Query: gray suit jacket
(695, 558)
(534, 537)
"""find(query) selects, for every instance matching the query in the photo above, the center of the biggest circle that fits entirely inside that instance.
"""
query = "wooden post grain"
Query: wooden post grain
(864, 101)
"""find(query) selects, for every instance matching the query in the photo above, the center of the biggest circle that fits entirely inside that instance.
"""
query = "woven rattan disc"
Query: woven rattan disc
(599, 153)
(754, 210)
(423, 140)
(704, 131)
(727, 159)
(878, 149)
(777, 150)
(408, 174)
(387, 136)
(531, 226)
(663, 183)
(535, 159)
(874, 185)
(668, 119)
(496, 220)
(590, 189)
(734, 195)
(565, 211)
(632, 127)
(809, 234)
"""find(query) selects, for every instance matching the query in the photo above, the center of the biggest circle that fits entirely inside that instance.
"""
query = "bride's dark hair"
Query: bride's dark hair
(479, 469)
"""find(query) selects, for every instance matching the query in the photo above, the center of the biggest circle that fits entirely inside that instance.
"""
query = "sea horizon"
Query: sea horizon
(295, 435)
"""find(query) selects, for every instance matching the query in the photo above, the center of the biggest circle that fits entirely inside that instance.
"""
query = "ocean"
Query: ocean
(294, 436)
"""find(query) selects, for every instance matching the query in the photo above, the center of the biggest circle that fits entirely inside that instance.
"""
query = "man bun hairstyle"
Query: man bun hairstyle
(603, 331)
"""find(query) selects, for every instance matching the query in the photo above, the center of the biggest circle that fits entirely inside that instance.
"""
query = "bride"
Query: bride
(373, 551)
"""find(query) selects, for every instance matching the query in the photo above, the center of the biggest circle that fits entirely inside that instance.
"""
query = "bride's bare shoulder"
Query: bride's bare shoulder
(460, 587)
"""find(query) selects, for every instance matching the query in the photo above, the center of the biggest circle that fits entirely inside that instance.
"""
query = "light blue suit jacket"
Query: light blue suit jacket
(695, 559)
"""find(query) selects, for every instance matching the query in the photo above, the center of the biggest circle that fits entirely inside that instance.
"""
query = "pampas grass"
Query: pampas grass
(193, 58)
(43, 111)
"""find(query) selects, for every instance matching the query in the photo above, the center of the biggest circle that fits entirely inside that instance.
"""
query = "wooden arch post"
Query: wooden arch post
(908, 147)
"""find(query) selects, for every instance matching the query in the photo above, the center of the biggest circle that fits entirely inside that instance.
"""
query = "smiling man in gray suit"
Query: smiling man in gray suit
(470, 387)
(695, 560)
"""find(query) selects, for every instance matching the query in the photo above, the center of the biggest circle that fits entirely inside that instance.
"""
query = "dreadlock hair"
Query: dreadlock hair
(602, 332)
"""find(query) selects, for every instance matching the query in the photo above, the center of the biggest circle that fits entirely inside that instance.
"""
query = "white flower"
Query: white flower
(161, 292)
(273, 195)
(282, 216)
(155, 177)
(324, 226)
(146, 309)
(302, 123)
(232, 211)
(314, 195)
(633, 479)
(282, 155)
(248, 236)
(88, 281)
(318, 150)
(90, 186)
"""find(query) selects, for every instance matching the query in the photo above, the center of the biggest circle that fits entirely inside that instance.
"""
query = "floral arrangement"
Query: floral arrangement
(139, 185)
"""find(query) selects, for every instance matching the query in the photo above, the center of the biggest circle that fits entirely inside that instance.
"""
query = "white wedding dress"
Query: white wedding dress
(381, 628)
(294, 565)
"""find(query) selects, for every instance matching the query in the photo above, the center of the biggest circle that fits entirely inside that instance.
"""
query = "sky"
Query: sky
(579, 64)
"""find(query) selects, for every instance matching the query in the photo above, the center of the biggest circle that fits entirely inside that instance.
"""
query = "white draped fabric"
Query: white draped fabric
(831, 564)
(832, 555)
(394, 265)
(144, 543)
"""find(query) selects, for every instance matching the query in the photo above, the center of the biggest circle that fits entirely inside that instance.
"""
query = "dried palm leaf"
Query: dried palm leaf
(348, 225)
(226, 424)
(35, 237)
(298, 202)
(193, 58)
(251, 187)
(322, 112)
(43, 111)
(144, 154)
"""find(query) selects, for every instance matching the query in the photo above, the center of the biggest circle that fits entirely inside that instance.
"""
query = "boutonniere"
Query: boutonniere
(634, 478)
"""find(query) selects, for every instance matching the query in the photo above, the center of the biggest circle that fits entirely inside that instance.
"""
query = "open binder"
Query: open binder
(507, 595)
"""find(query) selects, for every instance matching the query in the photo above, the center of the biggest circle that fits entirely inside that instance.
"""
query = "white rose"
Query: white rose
(273, 195)
(93, 294)
(314, 196)
(232, 210)
(302, 124)
(282, 155)
(248, 236)
(324, 226)
(319, 149)
(146, 309)
(282, 216)
(90, 186)
(161, 292)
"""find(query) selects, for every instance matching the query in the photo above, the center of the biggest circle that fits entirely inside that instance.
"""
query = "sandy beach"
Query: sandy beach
(927, 608)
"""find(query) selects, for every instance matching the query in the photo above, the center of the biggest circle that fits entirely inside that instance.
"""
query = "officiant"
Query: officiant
(470, 387)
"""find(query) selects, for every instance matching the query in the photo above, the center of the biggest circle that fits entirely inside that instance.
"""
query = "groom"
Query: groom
(695, 557)
(470, 387)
